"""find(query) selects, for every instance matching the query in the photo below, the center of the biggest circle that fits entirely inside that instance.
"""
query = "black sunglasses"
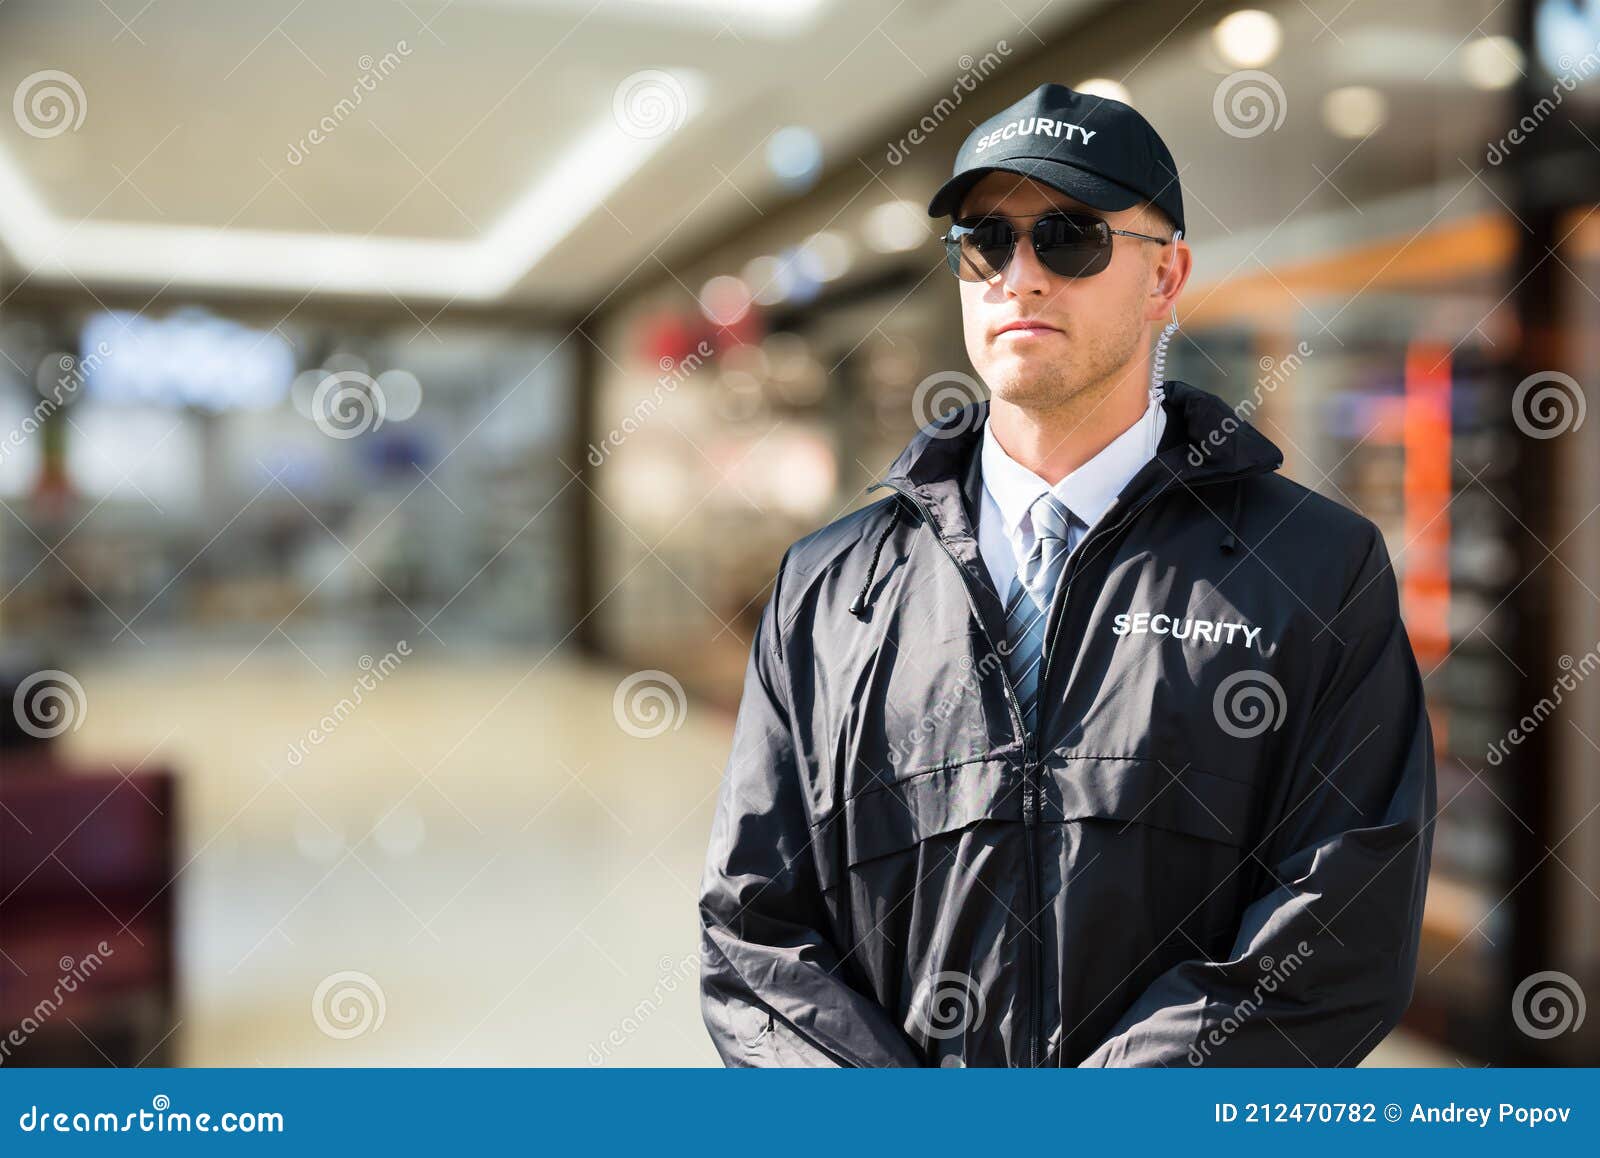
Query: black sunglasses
(1067, 244)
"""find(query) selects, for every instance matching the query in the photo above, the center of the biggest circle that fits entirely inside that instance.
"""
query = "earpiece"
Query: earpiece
(1158, 362)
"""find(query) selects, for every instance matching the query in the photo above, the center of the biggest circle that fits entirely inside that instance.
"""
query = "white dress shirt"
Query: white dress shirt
(1005, 527)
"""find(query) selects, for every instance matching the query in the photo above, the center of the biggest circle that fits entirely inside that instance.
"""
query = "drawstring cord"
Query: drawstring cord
(1231, 539)
(858, 608)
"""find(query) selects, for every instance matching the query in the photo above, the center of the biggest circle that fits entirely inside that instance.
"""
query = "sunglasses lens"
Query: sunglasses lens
(960, 265)
(991, 242)
(1067, 245)
(978, 251)
(1072, 246)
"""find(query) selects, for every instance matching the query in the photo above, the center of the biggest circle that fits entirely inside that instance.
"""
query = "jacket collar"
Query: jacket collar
(1204, 439)
(941, 471)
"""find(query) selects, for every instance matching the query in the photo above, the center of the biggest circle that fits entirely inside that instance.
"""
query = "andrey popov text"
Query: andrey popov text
(1451, 1113)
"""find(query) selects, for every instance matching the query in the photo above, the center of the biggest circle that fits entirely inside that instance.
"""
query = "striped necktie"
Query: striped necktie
(1028, 606)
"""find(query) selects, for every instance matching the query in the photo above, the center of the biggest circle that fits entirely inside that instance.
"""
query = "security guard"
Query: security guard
(980, 808)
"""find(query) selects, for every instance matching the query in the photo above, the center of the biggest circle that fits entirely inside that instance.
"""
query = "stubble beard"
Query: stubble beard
(1069, 383)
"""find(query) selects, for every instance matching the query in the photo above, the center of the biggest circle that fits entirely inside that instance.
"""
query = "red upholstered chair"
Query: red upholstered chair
(87, 942)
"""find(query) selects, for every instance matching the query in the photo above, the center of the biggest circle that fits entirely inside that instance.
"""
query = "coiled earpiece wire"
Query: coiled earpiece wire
(1158, 365)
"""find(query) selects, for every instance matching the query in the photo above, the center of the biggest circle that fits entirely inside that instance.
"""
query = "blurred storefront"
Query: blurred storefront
(1366, 278)
(318, 449)
(249, 512)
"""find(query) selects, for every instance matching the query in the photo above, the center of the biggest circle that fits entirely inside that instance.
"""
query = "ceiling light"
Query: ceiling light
(724, 300)
(774, 18)
(794, 154)
(1492, 62)
(768, 278)
(1248, 38)
(829, 253)
(896, 226)
(1354, 112)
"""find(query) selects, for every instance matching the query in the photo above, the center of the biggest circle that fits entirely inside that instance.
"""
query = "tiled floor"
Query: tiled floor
(514, 872)
(477, 866)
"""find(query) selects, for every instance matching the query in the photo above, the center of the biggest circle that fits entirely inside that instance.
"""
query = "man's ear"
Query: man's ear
(1173, 266)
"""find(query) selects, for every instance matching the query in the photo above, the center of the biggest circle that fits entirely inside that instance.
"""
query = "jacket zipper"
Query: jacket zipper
(1031, 790)
(1030, 801)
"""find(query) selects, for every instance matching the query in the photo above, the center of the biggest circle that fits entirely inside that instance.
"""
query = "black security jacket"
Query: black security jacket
(1213, 850)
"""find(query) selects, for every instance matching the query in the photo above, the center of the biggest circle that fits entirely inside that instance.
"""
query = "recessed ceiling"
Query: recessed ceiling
(522, 150)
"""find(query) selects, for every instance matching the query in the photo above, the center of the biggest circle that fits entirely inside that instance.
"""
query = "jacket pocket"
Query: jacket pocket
(1153, 793)
(927, 880)
(1153, 860)
(898, 815)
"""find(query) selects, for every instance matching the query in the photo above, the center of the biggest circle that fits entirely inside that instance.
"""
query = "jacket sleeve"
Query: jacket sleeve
(1324, 961)
(772, 988)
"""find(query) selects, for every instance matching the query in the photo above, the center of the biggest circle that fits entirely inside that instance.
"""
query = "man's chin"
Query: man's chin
(1028, 386)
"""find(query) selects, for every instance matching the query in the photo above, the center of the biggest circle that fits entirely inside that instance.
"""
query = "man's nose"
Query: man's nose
(1024, 273)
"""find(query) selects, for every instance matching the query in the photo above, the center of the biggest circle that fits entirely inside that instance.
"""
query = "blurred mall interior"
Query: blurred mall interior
(472, 364)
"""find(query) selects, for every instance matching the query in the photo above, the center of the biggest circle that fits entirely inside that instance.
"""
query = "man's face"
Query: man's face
(1086, 329)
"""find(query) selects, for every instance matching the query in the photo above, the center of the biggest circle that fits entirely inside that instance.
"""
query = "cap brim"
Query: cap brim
(1092, 189)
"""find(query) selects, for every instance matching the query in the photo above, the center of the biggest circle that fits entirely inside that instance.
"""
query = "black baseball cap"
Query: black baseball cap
(1093, 148)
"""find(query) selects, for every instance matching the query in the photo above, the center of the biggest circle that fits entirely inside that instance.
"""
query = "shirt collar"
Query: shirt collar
(1087, 491)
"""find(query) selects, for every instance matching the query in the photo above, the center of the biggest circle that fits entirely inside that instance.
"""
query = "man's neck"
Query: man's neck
(1056, 441)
